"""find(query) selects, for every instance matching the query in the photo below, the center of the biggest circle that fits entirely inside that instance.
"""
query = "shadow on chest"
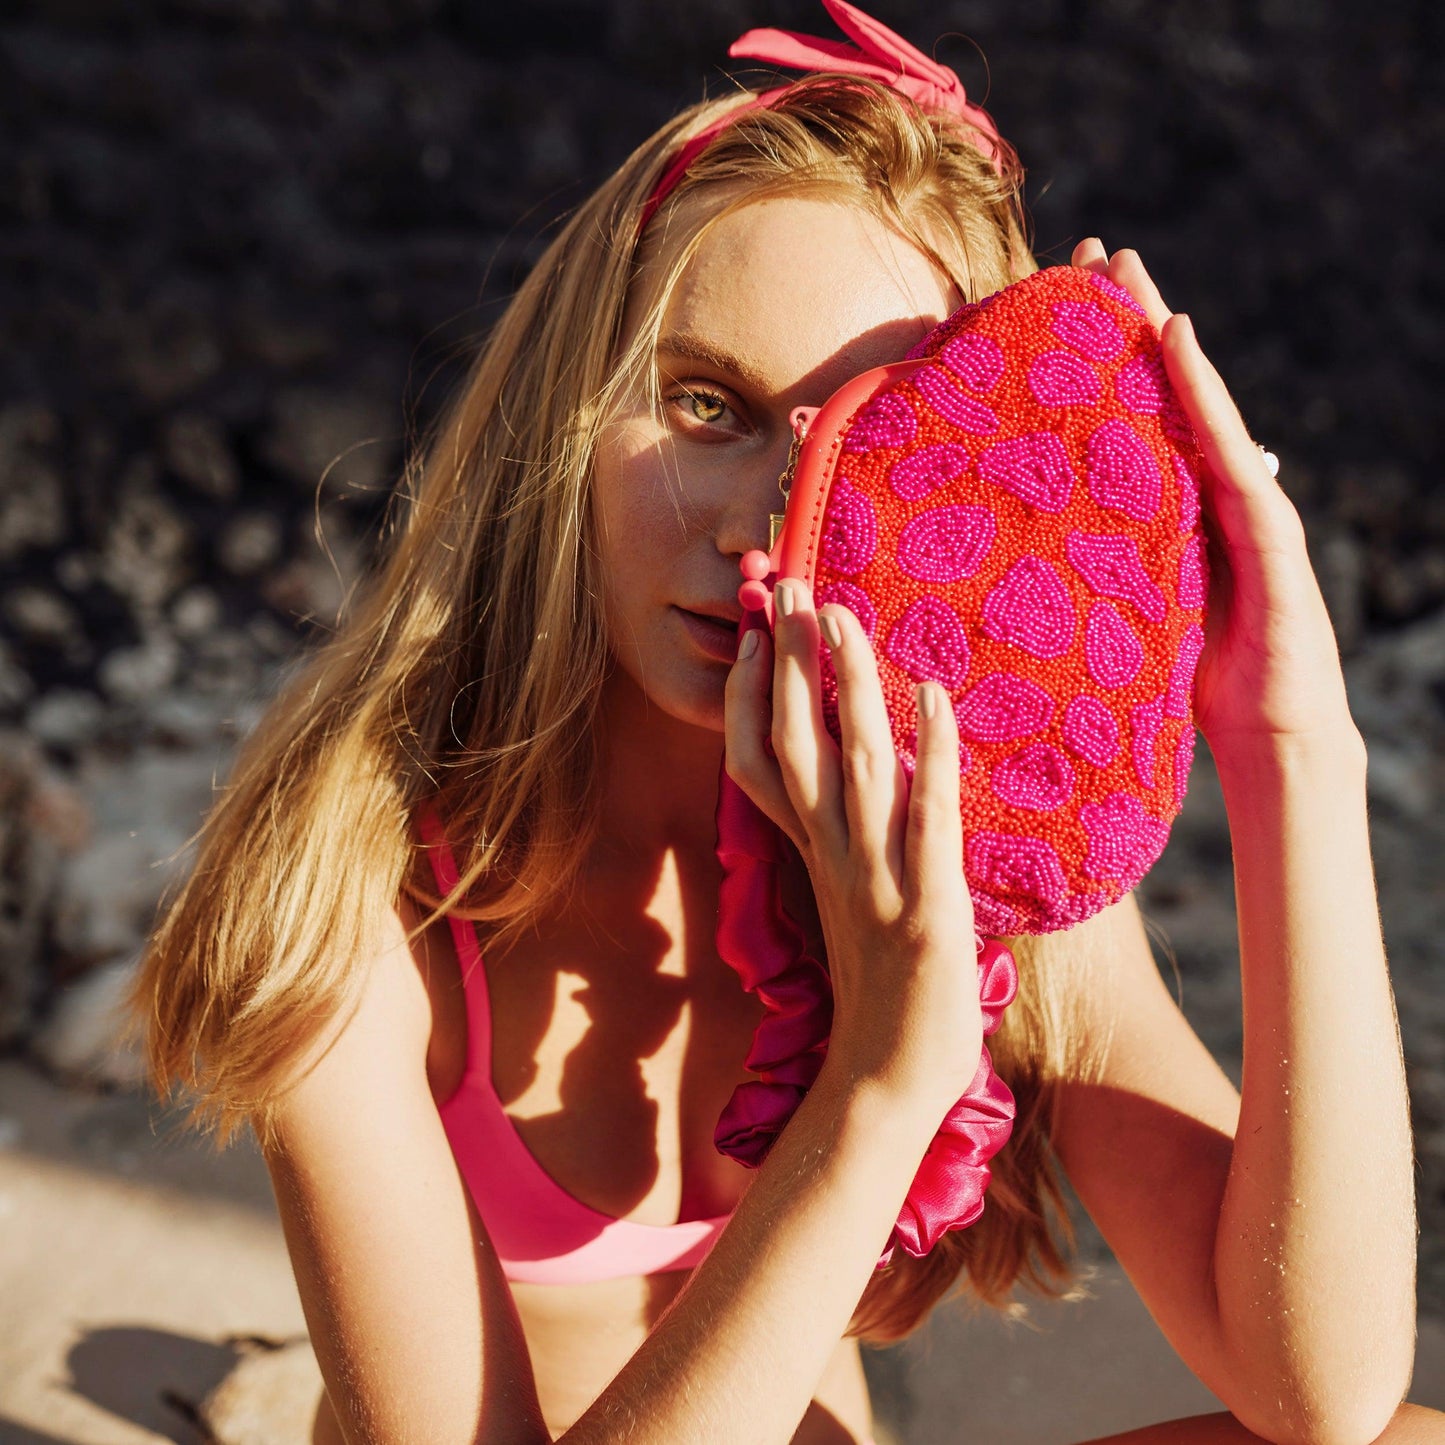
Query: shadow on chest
(617, 1036)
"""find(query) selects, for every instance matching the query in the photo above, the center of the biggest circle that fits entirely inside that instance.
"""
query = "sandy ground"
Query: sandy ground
(145, 1294)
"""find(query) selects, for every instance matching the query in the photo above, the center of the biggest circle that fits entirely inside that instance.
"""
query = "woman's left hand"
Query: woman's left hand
(1270, 670)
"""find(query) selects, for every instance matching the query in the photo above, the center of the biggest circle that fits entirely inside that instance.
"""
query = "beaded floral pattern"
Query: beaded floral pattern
(1018, 521)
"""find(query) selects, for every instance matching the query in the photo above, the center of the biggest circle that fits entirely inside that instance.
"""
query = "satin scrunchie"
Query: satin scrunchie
(766, 948)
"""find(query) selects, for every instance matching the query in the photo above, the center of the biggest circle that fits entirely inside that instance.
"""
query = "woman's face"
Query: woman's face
(784, 301)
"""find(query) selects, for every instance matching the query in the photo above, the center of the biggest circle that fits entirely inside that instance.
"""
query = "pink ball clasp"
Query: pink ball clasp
(754, 593)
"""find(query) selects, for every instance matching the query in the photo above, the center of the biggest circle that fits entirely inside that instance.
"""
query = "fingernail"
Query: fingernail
(748, 645)
(927, 702)
(831, 631)
(783, 598)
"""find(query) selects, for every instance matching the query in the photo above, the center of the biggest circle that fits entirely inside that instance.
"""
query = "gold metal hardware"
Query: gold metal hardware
(785, 481)
(800, 418)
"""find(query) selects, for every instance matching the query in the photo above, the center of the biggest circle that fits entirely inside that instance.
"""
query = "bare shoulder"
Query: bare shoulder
(405, 1300)
(1144, 1127)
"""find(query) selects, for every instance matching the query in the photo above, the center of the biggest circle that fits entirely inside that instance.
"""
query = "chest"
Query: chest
(617, 1035)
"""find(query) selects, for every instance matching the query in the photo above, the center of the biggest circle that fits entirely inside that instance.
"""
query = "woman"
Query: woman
(449, 946)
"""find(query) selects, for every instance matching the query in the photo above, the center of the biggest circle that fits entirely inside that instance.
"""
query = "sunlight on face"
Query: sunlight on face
(784, 301)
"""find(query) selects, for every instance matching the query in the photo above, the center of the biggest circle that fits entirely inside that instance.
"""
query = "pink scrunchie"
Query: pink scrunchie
(766, 948)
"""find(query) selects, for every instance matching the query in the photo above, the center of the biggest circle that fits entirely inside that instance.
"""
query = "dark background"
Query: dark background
(240, 239)
(246, 246)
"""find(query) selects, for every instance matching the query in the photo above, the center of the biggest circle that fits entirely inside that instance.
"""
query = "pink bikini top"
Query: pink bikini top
(542, 1234)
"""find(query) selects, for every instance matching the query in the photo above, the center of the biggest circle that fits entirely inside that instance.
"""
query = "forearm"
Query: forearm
(1314, 1258)
(737, 1356)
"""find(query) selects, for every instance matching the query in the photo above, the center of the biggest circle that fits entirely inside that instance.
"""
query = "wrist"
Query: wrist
(894, 1102)
(1320, 778)
(902, 1091)
(1337, 750)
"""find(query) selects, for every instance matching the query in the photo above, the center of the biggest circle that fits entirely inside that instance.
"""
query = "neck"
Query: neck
(659, 777)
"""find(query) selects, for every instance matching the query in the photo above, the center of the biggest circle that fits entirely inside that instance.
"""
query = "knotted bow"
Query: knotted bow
(878, 54)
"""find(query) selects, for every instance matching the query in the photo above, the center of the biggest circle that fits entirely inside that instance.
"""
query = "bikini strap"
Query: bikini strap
(464, 940)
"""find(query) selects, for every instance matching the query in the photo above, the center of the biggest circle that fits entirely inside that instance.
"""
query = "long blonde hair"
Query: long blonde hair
(467, 671)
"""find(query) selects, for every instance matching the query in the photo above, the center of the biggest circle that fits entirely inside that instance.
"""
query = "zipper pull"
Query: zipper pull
(800, 419)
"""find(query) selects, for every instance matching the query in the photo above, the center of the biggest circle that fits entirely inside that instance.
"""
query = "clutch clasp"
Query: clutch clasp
(800, 419)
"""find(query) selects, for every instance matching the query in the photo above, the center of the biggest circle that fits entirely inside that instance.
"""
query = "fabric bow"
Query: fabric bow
(878, 54)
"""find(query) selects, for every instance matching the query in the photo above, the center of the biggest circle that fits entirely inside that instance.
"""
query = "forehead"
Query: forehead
(806, 291)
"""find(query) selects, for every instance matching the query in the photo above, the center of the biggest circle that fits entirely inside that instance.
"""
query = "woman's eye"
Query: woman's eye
(702, 405)
(706, 405)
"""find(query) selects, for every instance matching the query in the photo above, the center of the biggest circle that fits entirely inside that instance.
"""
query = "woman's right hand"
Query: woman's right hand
(885, 859)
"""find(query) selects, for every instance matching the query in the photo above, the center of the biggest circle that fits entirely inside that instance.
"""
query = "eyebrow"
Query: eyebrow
(698, 348)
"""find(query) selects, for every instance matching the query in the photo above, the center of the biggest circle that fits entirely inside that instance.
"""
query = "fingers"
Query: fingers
(1249, 498)
(1127, 270)
(748, 712)
(807, 755)
(933, 846)
(874, 788)
(847, 806)
(1243, 487)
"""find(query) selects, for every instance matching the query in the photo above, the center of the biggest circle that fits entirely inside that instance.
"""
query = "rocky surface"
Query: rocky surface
(248, 244)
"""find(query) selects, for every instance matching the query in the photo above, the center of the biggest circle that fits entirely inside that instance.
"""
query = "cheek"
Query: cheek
(636, 515)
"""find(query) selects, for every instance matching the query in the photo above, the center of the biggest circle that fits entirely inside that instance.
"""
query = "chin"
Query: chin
(698, 706)
(693, 696)
(710, 716)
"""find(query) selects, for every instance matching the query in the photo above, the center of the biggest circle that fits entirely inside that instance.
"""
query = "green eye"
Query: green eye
(706, 406)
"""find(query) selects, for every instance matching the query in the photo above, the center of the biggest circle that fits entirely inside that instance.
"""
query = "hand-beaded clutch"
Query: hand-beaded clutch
(1011, 512)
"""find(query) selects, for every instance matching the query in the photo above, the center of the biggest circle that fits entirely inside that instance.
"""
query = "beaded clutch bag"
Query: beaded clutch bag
(1012, 512)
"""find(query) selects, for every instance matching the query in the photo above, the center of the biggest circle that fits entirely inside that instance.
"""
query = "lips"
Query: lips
(714, 633)
(726, 613)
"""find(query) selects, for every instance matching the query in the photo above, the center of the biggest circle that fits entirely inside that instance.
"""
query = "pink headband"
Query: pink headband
(878, 54)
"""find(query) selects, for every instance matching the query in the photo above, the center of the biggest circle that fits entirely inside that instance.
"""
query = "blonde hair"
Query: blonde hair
(466, 673)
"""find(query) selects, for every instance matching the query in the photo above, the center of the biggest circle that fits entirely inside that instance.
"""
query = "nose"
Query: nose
(800, 423)
(754, 494)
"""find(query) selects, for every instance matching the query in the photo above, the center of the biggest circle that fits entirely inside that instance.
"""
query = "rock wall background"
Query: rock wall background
(246, 246)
